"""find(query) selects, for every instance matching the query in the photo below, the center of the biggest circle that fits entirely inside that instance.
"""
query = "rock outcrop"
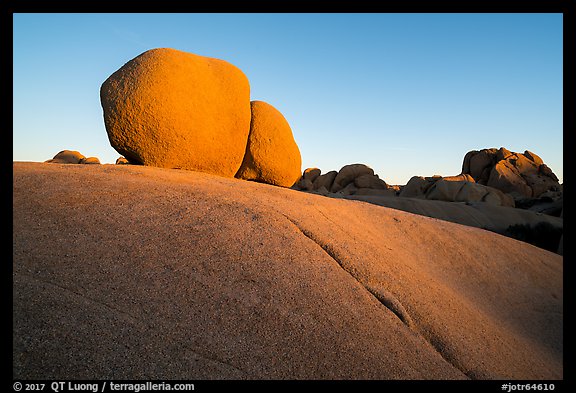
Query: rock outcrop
(272, 156)
(122, 161)
(227, 279)
(522, 175)
(174, 109)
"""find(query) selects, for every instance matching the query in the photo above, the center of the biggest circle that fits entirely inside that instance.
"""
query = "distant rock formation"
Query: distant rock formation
(72, 157)
(352, 179)
(272, 156)
(173, 109)
(67, 157)
(522, 175)
(461, 188)
(122, 161)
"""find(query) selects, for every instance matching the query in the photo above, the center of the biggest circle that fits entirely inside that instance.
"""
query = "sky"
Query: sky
(406, 94)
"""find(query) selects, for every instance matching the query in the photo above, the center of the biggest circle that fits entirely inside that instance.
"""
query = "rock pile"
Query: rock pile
(461, 188)
(352, 179)
(522, 175)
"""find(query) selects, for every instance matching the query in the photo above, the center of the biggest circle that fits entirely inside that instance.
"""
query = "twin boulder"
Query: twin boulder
(174, 109)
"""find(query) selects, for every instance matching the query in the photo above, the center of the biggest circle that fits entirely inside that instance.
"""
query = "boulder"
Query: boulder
(67, 157)
(348, 173)
(540, 184)
(321, 191)
(174, 109)
(448, 191)
(461, 177)
(122, 161)
(466, 162)
(543, 169)
(272, 156)
(350, 189)
(481, 163)
(90, 160)
(505, 177)
(503, 154)
(326, 180)
(452, 189)
(533, 157)
(311, 174)
(496, 197)
(306, 182)
(523, 165)
(370, 181)
(417, 187)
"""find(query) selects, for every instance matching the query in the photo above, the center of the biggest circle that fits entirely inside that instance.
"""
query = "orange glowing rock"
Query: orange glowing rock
(67, 157)
(173, 109)
(272, 155)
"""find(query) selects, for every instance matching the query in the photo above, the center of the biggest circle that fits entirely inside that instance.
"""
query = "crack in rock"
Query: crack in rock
(389, 301)
(384, 297)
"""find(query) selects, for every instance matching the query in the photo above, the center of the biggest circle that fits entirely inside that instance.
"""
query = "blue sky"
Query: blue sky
(407, 94)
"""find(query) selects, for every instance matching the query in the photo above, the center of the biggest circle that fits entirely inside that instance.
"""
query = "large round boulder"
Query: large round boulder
(272, 156)
(174, 109)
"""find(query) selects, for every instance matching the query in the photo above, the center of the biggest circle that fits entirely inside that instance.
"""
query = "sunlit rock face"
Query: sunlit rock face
(173, 109)
(522, 175)
(272, 156)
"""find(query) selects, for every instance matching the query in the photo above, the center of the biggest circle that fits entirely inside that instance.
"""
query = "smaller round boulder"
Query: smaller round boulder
(272, 156)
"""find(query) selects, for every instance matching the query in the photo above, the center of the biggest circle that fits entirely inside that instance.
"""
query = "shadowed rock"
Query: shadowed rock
(325, 181)
(348, 173)
(306, 182)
